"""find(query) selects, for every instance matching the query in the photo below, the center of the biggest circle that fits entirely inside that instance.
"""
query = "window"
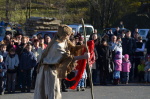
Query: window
(142, 32)
(89, 30)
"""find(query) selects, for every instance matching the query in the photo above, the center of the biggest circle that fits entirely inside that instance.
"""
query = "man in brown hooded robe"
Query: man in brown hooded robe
(53, 65)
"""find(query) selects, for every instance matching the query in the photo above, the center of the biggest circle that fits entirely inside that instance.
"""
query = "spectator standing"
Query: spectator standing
(11, 45)
(148, 45)
(118, 67)
(147, 70)
(104, 58)
(141, 72)
(129, 47)
(41, 43)
(139, 54)
(81, 84)
(136, 30)
(110, 33)
(126, 66)
(3, 51)
(117, 31)
(3, 70)
(27, 62)
(47, 40)
(121, 26)
(37, 50)
(92, 61)
(136, 35)
(11, 62)
(21, 48)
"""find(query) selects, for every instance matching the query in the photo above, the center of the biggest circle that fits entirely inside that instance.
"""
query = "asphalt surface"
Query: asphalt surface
(130, 91)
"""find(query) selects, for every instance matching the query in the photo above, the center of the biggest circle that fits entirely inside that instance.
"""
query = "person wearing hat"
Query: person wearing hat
(3, 70)
(126, 66)
(54, 64)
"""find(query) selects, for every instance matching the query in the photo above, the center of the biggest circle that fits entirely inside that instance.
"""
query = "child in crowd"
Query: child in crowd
(141, 67)
(27, 62)
(147, 70)
(11, 62)
(118, 67)
(3, 51)
(3, 70)
(126, 66)
(81, 84)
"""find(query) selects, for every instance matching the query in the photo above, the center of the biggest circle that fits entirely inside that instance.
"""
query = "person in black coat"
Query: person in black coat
(148, 45)
(129, 47)
(104, 58)
(117, 32)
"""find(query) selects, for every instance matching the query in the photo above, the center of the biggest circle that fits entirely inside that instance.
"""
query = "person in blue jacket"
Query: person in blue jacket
(27, 62)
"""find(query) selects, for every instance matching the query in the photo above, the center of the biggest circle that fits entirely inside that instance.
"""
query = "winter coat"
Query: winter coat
(27, 60)
(104, 58)
(128, 46)
(140, 48)
(12, 63)
(148, 46)
(126, 66)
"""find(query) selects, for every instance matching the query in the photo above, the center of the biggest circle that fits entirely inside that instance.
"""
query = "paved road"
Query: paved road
(131, 91)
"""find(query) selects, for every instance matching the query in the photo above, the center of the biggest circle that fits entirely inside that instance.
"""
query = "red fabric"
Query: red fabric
(82, 64)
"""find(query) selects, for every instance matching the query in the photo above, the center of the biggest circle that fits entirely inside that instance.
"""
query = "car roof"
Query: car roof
(76, 24)
(144, 29)
(47, 31)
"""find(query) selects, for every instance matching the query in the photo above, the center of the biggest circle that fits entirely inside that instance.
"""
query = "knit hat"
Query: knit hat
(126, 56)
(1, 57)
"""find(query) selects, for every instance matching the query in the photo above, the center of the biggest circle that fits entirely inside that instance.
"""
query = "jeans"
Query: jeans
(147, 76)
(116, 74)
(25, 78)
(81, 83)
(11, 81)
(125, 76)
(1, 84)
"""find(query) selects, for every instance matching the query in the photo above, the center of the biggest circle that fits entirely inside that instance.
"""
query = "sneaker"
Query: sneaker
(2, 93)
(78, 88)
(82, 89)
(126, 83)
(64, 90)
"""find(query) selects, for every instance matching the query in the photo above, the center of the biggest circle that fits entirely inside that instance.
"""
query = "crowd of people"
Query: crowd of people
(119, 57)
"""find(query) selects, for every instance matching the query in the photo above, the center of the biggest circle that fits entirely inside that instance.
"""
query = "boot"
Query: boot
(118, 81)
(78, 88)
(115, 81)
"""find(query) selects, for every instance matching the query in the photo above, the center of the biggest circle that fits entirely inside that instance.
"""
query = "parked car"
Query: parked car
(50, 33)
(2, 32)
(144, 33)
(77, 28)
